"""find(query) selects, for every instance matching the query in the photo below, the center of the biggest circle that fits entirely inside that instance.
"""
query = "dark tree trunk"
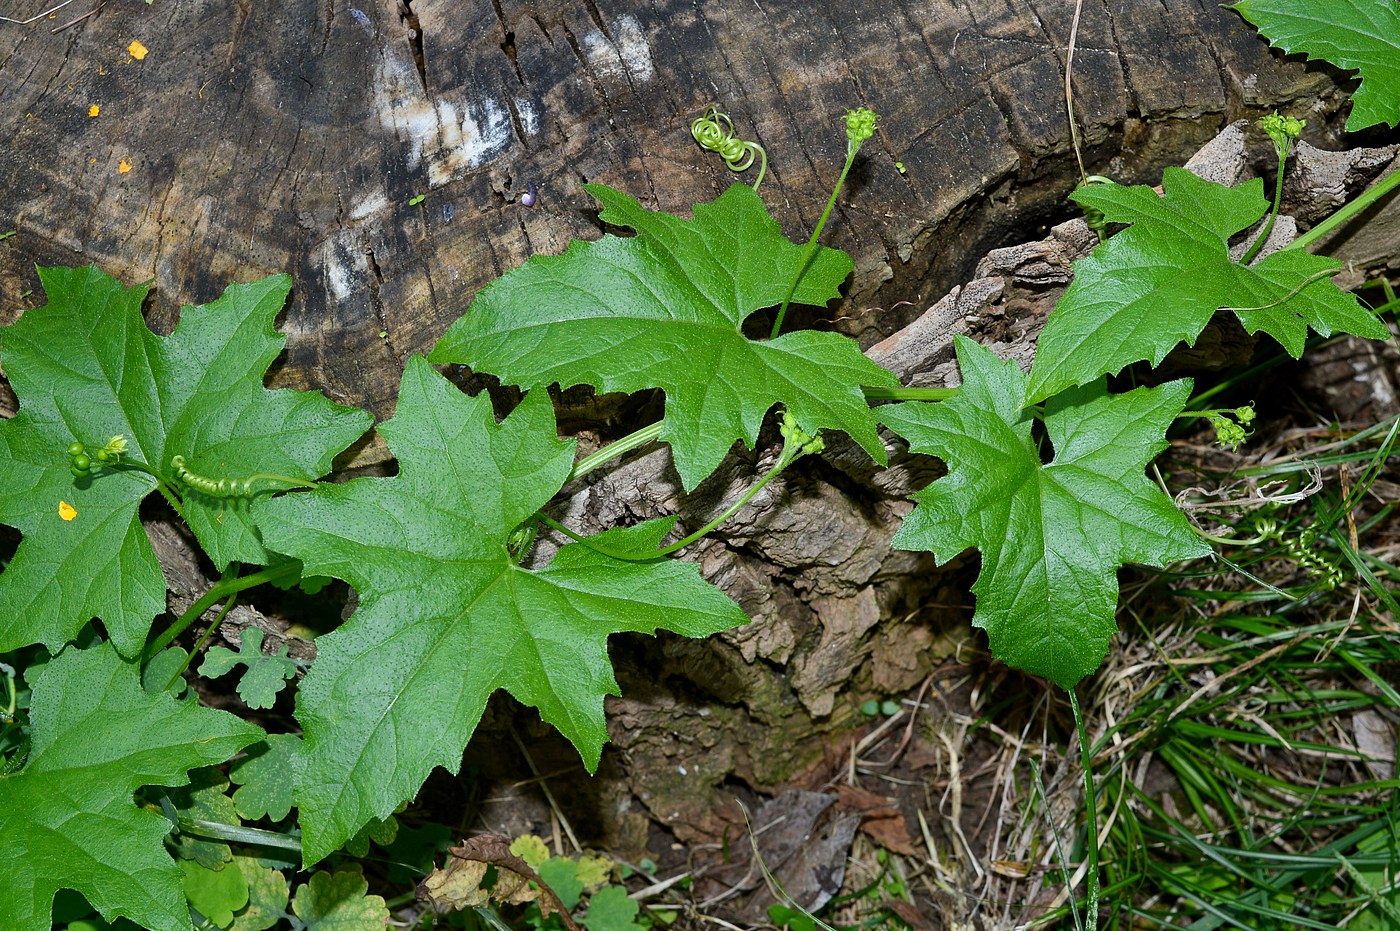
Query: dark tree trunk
(291, 137)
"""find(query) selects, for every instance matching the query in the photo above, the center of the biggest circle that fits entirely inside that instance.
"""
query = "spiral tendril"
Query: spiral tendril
(714, 132)
(228, 487)
(218, 488)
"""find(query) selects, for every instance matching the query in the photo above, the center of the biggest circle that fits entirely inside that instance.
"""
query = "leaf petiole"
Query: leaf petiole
(860, 126)
(189, 657)
(796, 444)
(217, 592)
(648, 434)
(908, 394)
(1091, 822)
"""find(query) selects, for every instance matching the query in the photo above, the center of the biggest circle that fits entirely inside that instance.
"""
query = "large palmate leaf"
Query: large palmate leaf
(1351, 34)
(1052, 536)
(68, 817)
(445, 616)
(86, 367)
(664, 309)
(1158, 283)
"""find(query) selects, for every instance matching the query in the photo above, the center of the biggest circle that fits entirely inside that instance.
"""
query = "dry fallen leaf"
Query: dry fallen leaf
(136, 50)
(457, 885)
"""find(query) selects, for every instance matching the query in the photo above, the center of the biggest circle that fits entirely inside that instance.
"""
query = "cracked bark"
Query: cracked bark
(241, 170)
(299, 149)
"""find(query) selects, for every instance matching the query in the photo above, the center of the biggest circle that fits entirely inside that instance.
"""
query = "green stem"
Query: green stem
(1347, 211)
(1263, 236)
(218, 592)
(270, 477)
(189, 657)
(236, 834)
(909, 394)
(811, 251)
(165, 488)
(1091, 806)
(788, 456)
(617, 448)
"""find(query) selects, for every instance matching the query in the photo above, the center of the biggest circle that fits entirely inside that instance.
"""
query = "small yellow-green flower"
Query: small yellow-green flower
(860, 125)
(1282, 130)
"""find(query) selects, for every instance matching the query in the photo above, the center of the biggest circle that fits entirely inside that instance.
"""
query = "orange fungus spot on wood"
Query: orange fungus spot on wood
(136, 50)
(94, 110)
(123, 166)
(66, 510)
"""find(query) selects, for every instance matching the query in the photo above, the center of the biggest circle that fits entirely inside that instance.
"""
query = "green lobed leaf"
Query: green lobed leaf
(445, 617)
(611, 909)
(1158, 283)
(68, 817)
(267, 897)
(664, 309)
(263, 677)
(266, 778)
(85, 366)
(1051, 536)
(338, 902)
(1359, 35)
(380, 832)
(215, 894)
(561, 875)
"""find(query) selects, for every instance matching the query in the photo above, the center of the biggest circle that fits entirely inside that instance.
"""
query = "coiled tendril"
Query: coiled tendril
(227, 487)
(714, 132)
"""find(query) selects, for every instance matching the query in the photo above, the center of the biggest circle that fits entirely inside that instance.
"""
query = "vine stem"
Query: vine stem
(220, 590)
(652, 433)
(681, 543)
(165, 488)
(1069, 90)
(1263, 236)
(792, 451)
(811, 249)
(1091, 805)
(617, 448)
(189, 657)
(1347, 211)
(909, 394)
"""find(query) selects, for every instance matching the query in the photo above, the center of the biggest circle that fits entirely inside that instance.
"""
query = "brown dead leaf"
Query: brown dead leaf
(880, 819)
(457, 885)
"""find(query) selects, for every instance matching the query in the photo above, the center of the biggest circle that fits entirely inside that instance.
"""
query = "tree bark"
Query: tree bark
(292, 137)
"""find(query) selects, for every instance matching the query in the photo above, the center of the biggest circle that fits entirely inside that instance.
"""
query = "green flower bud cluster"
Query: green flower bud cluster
(1283, 131)
(110, 454)
(860, 126)
(1229, 434)
(796, 441)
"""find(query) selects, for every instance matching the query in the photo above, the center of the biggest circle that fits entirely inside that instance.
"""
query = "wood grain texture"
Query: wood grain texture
(291, 136)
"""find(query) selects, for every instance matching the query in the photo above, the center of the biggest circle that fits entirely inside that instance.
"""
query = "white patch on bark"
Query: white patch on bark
(529, 116)
(628, 55)
(452, 136)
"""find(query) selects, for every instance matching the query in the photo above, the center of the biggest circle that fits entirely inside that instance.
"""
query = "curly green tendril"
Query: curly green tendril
(228, 487)
(715, 133)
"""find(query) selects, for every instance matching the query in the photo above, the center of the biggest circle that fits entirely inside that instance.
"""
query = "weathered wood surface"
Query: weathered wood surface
(291, 136)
